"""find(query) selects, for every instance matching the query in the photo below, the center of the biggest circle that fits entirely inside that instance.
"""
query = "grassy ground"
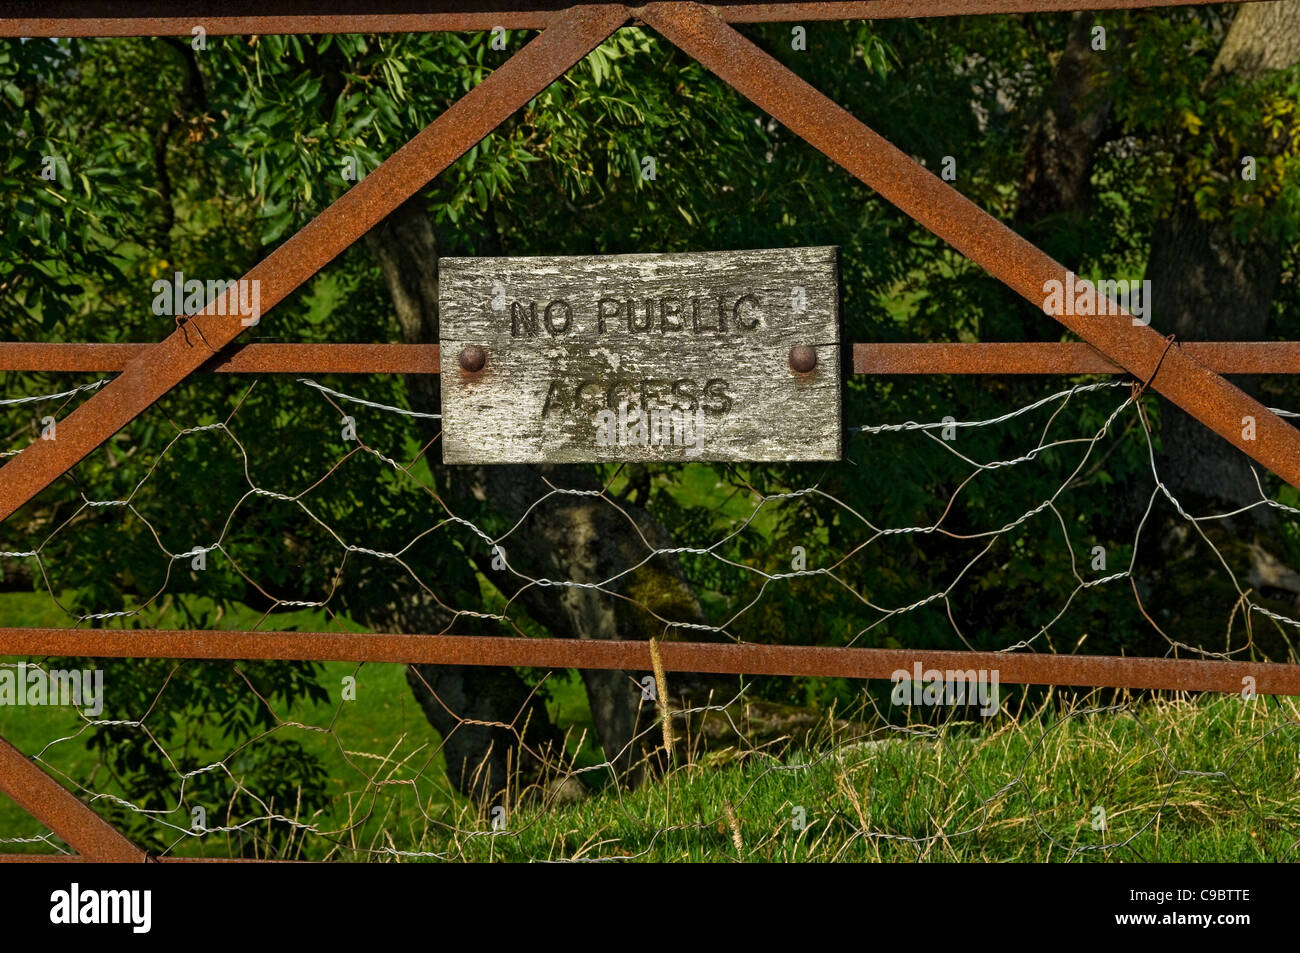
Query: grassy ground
(379, 754)
(1214, 778)
(1170, 779)
(1163, 780)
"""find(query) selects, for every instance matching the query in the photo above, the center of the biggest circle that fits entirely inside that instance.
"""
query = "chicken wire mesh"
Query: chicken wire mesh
(297, 505)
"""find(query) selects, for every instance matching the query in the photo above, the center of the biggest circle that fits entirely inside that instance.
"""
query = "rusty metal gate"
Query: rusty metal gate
(1190, 375)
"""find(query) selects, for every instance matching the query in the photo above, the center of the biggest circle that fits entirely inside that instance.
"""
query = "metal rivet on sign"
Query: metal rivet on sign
(473, 358)
(803, 358)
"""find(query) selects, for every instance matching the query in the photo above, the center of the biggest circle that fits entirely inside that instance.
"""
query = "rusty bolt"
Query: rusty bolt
(473, 358)
(803, 358)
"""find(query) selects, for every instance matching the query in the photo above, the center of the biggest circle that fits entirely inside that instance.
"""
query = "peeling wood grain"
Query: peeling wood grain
(694, 347)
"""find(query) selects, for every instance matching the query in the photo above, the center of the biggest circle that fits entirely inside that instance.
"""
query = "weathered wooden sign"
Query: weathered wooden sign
(712, 356)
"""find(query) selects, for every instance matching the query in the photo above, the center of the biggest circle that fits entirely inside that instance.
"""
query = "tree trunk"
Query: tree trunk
(1208, 284)
(1061, 149)
(483, 762)
(584, 539)
(1055, 197)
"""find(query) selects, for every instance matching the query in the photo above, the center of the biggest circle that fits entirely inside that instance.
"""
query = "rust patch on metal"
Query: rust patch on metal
(472, 358)
(54, 18)
(1271, 678)
(803, 358)
(1030, 357)
(975, 233)
(1223, 357)
(150, 375)
(61, 811)
(246, 359)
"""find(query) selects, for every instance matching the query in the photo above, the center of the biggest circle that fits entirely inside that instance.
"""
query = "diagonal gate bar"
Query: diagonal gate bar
(149, 376)
(1021, 265)
(60, 810)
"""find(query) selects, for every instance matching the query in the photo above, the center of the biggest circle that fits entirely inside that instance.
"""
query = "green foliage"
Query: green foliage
(1172, 102)
(52, 242)
(205, 727)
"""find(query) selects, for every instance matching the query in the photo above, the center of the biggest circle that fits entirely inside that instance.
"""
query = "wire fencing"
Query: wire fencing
(360, 525)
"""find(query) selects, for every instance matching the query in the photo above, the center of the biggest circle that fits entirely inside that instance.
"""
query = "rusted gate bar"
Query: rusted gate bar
(245, 359)
(401, 175)
(42, 859)
(742, 11)
(177, 17)
(1074, 357)
(975, 233)
(78, 859)
(1271, 678)
(1030, 357)
(61, 811)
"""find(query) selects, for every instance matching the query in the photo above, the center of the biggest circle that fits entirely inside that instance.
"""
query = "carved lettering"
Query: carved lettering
(717, 389)
(686, 389)
(603, 315)
(667, 307)
(635, 326)
(552, 323)
(521, 318)
(735, 312)
(645, 394)
(589, 407)
(675, 357)
(555, 390)
(708, 314)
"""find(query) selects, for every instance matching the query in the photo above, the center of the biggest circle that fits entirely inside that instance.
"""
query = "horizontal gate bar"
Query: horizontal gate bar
(245, 17)
(237, 359)
(1046, 357)
(78, 858)
(1030, 357)
(1102, 671)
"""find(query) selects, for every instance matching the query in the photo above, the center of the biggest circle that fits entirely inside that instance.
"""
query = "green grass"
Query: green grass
(375, 750)
(378, 742)
(1211, 779)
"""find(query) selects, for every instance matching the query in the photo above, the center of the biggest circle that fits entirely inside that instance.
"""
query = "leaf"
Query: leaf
(275, 228)
(361, 122)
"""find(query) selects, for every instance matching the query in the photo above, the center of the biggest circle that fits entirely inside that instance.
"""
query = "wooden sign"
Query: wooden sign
(712, 356)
